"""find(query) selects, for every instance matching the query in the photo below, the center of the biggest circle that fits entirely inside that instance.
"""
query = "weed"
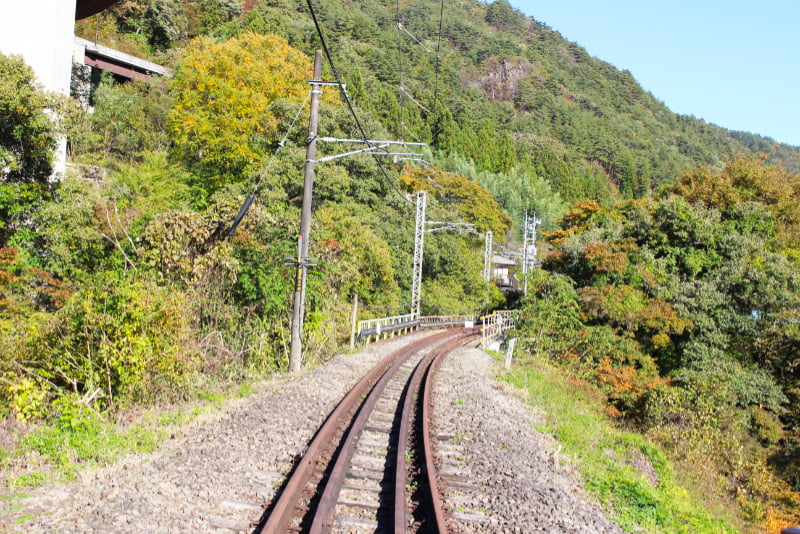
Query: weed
(28, 480)
(211, 396)
(599, 452)
(245, 389)
(24, 518)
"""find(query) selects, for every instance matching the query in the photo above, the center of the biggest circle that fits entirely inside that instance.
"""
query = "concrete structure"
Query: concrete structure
(122, 64)
(42, 32)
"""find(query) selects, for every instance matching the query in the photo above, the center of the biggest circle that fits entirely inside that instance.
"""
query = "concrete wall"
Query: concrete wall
(41, 31)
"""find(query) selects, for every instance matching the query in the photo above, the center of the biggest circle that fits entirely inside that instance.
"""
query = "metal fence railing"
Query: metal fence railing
(383, 327)
(495, 325)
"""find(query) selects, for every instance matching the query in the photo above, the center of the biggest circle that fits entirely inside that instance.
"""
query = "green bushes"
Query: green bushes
(120, 337)
(685, 317)
(630, 475)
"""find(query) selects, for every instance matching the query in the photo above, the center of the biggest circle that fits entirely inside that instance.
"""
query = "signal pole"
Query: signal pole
(296, 349)
(529, 233)
(487, 257)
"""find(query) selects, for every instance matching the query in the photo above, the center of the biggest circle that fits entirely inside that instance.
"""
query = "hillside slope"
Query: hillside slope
(504, 90)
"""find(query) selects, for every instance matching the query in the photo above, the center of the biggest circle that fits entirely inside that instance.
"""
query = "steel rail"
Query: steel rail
(323, 519)
(400, 515)
(434, 503)
(327, 503)
(284, 509)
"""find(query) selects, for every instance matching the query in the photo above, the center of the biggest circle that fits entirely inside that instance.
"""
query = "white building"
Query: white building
(42, 32)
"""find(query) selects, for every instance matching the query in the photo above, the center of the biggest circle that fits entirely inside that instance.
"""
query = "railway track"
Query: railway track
(370, 467)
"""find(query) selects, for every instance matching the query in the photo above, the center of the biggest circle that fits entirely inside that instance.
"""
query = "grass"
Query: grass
(629, 475)
(93, 441)
(11, 508)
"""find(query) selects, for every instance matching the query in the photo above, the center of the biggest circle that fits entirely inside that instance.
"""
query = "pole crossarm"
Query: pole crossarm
(321, 82)
(301, 262)
(363, 150)
(442, 226)
(368, 141)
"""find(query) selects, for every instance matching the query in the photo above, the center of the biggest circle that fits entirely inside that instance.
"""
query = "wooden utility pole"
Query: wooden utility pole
(296, 350)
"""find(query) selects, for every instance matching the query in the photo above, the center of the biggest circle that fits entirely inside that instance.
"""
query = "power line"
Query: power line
(281, 143)
(402, 27)
(405, 91)
(438, 58)
(251, 197)
(400, 95)
(338, 79)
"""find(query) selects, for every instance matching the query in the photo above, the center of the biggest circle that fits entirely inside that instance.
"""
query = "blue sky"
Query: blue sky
(733, 63)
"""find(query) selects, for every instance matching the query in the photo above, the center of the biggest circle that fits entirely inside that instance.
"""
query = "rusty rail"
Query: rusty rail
(283, 511)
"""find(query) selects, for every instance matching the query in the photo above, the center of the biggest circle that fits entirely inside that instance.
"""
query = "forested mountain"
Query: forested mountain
(489, 83)
(669, 287)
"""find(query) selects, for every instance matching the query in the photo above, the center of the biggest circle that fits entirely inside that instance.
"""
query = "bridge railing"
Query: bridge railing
(494, 325)
(432, 321)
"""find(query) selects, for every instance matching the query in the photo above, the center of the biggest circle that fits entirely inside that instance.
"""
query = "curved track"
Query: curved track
(365, 470)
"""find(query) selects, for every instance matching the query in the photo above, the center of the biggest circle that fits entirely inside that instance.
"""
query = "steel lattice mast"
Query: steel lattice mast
(419, 239)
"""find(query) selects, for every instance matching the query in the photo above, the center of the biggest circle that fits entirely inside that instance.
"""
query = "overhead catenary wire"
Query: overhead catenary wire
(401, 26)
(349, 102)
(251, 197)
(438, 59)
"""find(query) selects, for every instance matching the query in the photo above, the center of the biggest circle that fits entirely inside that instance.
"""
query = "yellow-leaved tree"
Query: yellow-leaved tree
(222, 121)
(473, 203)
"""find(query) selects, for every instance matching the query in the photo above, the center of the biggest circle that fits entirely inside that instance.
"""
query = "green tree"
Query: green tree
(128, 120)
(167, 22)
(501, 15)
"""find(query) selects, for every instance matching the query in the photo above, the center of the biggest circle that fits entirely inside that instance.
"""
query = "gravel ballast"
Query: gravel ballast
(220, 471)
(519, 483)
